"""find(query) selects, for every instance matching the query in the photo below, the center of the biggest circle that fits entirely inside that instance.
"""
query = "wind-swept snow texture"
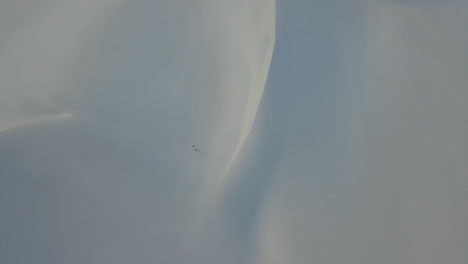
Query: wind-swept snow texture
(325, 131)
(100, 105)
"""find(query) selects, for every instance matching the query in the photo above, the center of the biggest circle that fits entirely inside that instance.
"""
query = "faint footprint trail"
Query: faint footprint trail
(32, 121)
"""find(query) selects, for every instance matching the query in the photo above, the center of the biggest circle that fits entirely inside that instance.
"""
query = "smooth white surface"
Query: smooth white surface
(329, 132)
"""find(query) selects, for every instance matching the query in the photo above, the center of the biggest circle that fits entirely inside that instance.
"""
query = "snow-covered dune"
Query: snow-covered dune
(100, 105)
(324, 131)
(368, 103)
